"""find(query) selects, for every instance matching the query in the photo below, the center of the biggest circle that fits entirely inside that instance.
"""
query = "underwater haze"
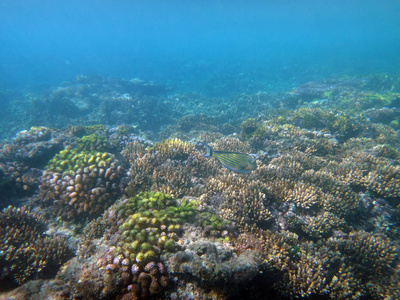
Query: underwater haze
(189, 44)
(225, 149)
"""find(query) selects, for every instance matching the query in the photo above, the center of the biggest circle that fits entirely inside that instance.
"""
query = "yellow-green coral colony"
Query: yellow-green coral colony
(92, 142)
(72, 160)
(83, 182)
(212, 220)
(153, 223)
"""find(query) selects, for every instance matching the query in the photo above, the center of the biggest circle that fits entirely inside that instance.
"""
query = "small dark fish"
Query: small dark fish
(234, 161)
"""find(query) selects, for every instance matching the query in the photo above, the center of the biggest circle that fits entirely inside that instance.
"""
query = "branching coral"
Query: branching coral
(371, 255)
(25, 251)
(240, 201)
(168, 166)
(321, 211)
(172, 149)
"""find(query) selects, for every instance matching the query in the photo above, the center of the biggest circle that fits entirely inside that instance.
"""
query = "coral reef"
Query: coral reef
(100, 100)
(318, 218)
(152, 225)
(22, 158)
(213, 265)
(131, 258)
(26, 252)
(345, 267)
(32, 146)
(81, 183)
(84, 193)
(21, 177)
(155, 167)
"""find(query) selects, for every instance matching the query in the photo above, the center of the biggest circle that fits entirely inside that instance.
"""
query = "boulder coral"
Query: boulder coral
(80, 183)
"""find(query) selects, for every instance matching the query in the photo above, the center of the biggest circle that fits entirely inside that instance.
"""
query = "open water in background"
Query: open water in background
(194, 45)
(235, 74)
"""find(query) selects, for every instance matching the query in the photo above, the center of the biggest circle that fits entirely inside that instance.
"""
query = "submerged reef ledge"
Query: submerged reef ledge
(132, 209)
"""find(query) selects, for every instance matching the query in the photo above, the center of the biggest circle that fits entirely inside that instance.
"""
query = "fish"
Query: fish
(234, 161)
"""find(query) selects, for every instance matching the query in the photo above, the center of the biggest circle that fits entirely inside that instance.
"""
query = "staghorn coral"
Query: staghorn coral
(172, 149)
(323, 225)
(238, 200)
(169, 166)
(231, 143)
(368, 172)
(174, 180)
(347, 267)
(25, 251)
(305, 269)
(310, 182)
(371, 255)
(303, 195)
(304, 280)
(141, 170)
(316, 201)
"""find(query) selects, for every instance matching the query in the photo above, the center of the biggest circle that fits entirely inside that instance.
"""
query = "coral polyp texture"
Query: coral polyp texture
(81, 183)
(152, 225)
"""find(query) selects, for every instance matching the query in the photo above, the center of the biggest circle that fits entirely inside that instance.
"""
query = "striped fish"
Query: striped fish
(234, 161)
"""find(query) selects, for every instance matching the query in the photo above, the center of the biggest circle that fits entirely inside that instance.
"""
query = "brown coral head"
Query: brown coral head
(155, 288)
(144, 280)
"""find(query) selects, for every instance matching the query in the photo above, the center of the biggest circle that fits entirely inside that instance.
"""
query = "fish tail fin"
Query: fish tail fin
(209, 150)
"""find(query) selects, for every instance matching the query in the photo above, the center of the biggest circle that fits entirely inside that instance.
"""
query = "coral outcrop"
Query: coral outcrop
(26, 252)
(81, 182)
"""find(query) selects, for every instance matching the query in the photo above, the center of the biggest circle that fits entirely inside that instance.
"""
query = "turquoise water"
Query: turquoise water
(192, 44)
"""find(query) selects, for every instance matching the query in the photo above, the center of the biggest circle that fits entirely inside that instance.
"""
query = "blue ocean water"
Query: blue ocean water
(199, 149)
(191, 45)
